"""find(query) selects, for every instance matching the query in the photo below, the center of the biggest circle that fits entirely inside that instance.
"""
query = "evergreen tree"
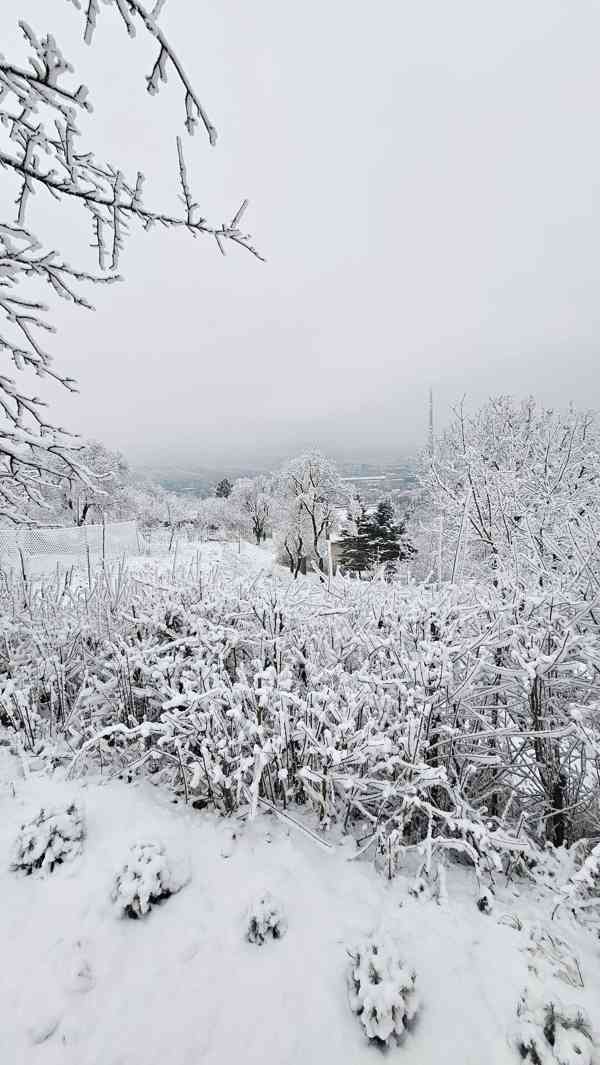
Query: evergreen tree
(389, 542)
(378, 539)
(356, 545)
(223, 489)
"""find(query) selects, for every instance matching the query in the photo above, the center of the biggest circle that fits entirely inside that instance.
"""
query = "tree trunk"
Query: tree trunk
(556, 828)
(83, 515)
(555, 787)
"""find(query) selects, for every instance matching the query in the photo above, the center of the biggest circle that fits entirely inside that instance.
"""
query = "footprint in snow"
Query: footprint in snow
(75, 969)
(190, 952)
(44, 1027)
(228, 847)
(81, 978)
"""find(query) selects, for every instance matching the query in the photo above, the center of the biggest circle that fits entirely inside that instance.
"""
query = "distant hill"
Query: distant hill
(373, 479)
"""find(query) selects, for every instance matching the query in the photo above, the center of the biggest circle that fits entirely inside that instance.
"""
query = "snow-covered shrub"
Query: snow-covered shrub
(19, 710)
(583, 887)
(383, 715)
(549, 1034)
(484, 902)
(547, 949)
(264, 918)
(53, 837)
(381, 989)
(147, 878)
(430, 883)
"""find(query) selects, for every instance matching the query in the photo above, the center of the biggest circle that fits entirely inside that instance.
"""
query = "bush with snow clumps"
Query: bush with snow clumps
(584, 885)
(146, 879)
(552, 1035)
(265, 917)
(382, 990)
(53, 837)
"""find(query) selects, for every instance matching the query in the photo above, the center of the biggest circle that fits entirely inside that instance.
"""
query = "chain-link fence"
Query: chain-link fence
(111, 540)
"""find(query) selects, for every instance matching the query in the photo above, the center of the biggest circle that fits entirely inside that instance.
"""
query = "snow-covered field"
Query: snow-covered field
(81, 984)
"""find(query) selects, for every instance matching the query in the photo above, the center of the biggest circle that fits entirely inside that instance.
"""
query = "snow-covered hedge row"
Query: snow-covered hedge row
(458, 718)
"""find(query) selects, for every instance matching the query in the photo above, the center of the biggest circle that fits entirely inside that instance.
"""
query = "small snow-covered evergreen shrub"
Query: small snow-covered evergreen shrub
(381, 990)
(484, 902)
(552, 1035)
(146, 879)
(265, 917)
(53, 837)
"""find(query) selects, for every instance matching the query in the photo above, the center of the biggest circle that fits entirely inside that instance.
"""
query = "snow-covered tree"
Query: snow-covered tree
(355, 543)
(154, 507)
(292, 533)
(315, 492)
(253, 496)
(40, 154)
(516, 485)
(145, 502)
(223, 489)
(220, 518)
(375, 538)
(104, 495)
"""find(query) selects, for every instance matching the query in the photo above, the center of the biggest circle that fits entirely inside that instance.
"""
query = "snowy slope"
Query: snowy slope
(237, 556)
(81, 986)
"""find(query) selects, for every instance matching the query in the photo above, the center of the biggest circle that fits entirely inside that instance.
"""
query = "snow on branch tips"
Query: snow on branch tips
(42, 164)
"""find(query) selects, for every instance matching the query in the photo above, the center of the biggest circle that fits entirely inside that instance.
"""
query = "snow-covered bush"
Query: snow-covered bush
(485, 903)
(147, 878)
(381, 989)
(53, 837)
(582, 889)
(418, 717)
(549, 950)
(549, 1034)
(264, 918)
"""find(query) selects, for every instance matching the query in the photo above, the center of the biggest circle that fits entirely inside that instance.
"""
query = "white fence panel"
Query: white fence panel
(112, 540)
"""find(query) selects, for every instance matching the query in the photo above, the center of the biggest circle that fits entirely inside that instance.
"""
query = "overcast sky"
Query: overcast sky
(424, 181)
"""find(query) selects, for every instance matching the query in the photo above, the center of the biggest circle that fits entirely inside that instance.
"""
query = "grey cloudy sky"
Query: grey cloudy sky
(423, 180)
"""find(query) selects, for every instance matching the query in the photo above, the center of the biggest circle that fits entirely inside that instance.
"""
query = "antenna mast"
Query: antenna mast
(430, 437)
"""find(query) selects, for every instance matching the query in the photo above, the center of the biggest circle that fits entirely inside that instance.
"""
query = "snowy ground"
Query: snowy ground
(232, 554)
(80, 985)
